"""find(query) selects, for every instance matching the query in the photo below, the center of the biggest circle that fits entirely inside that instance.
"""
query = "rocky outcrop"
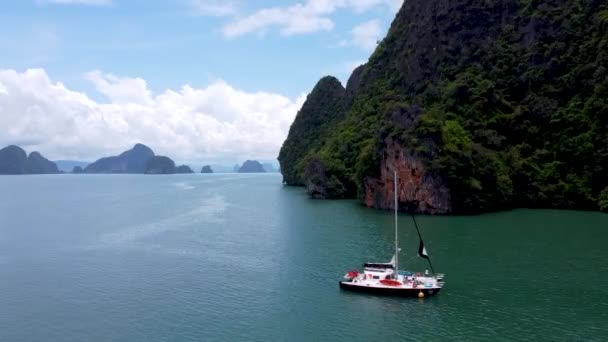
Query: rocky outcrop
(320, 182)
(419, 190)
(251, 166)
(207, 169)
(501, 102)
(131, 161)
(160, 165)
(77, 170)
(183, 169)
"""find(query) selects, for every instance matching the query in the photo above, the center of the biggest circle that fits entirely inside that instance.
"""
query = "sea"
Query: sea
(241, 257)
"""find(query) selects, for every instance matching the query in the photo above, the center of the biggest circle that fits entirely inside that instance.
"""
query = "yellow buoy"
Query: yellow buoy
(420, 294)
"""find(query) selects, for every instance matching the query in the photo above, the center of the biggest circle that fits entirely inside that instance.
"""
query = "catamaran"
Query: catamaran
(387, 279)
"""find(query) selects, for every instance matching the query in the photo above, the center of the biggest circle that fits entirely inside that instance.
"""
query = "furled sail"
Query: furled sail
(422, 251)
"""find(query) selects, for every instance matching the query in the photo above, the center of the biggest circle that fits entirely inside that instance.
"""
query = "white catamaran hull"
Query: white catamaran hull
(401, 291)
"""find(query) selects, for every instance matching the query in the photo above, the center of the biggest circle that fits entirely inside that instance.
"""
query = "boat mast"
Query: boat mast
(396, 231)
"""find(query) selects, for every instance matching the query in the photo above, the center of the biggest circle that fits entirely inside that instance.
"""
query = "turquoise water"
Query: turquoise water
(240, 257)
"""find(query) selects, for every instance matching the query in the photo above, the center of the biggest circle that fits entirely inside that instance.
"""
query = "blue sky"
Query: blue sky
(280, 48)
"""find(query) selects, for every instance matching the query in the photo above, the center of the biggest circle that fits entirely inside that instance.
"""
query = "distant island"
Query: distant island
(138, 160)
(252, 166)
(69, 165)
(184, 169)
(134, 160)
(14, 161)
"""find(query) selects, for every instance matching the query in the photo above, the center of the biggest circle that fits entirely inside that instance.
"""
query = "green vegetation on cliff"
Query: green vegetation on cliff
(506, 101)
(323, 108)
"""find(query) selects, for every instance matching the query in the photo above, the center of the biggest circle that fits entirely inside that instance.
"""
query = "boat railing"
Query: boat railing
(434, 275)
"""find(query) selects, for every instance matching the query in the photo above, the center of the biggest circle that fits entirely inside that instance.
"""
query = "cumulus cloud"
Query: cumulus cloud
(306, 17)
(365, 35)
(190, 124)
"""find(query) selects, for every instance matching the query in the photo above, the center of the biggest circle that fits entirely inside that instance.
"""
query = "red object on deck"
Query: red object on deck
(390, 282)
(353, 274)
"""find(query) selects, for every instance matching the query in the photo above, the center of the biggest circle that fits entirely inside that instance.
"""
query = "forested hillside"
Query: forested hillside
(479, 106)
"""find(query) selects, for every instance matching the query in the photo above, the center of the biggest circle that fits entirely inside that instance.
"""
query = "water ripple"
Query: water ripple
(206, 211)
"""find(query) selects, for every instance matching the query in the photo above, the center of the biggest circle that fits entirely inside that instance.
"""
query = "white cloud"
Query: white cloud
(307, 17)
(79, 2)
(215, 8)
(365, 35)
(217, 122)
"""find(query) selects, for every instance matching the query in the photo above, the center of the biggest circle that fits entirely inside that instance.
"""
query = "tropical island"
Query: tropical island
(14, 161)
(138, 160)
(483, 107)
(251, 166)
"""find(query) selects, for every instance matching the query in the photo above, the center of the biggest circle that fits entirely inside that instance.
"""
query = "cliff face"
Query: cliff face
(418, 188)
(487, 104)
(323, 108)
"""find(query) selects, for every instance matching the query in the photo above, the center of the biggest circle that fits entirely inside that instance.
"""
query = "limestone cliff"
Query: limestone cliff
(479, 105)
(418, 188)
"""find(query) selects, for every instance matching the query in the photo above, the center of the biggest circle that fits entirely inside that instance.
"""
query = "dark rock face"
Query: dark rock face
(77, 169)
(418, 188)
(13, 161)
(132, 161)
(206, 169)
(160, 165)
(183, 169)
(37, 164)
(323, 108)
(353, 84)
(251, 166)
(320, 183)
